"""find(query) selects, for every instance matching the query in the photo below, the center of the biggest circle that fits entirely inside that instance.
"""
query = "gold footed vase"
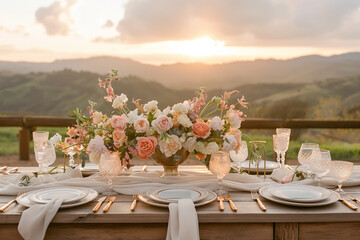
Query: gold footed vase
(170, 164)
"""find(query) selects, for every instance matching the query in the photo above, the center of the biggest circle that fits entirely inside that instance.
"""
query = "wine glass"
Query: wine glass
(110, 166)
(241, 155)
(276, 143)
(341, 171)
(40, 142)
(304, 155)
(220, 165)
(320, 163)
(49, 155)
(282, 146)
(286, 131)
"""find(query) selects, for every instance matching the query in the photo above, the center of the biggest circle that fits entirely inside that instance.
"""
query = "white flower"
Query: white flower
(216, 123)
(207, 149)
(234, 119)
(120, 101)
(132, 116)
(96, 146)
(162, 124)
(184, 120)
(151, 106)
(230, 143)
(166, 110)
(56, 139)
(170, 145)
(180, 108)
(187, 105)
(141, 125)
(190, 144)
(158, 113)
(97, 117)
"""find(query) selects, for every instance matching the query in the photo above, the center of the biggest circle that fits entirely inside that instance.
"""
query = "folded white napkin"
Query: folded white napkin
(36, 219)
(183, 222)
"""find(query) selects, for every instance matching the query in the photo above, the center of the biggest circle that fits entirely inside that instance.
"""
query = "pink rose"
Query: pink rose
(146, 147)
(119, 137)
(141, 125)
(119, 122)
(201, 129)
(162, 124)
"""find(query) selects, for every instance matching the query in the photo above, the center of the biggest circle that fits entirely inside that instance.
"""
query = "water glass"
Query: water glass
(41, 139)
(304, 155)
(341, 171)
(277, 150)
(320, 163)
(110, 166)
(49, 156)
(241, 155)
(220, 166)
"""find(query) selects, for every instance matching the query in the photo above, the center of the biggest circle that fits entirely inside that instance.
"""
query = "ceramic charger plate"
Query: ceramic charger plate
(209, 198)
(69, 195)
(25, 199)
(173, 194)
(300, 193)
(266, 193)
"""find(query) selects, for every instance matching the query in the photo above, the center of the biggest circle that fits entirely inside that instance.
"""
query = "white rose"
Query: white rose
(132, 116)
(184, 120)
(96, 146)
(207, 149)
(97, 117)
(187, 105)
(120, 101)
(190, 144)
(151, 106)
(234, 119)
(180, 108)
(216, 123)
(170, 145)
(230, 143)
(166, 110)
(56, 139)
(162, 124)
(141, 125)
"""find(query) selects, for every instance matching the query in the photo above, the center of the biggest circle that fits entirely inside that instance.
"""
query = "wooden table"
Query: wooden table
(335, 221)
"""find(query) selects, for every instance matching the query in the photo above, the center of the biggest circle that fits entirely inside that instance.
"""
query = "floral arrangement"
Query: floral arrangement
(197, 125)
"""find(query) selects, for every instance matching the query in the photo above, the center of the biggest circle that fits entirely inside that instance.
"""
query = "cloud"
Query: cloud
(108, 24)
(55, 18)
(18, 30)
(239, 22)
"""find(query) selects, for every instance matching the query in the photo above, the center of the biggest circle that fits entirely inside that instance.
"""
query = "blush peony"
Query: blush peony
(119, 138)
(170, 145)
(119, 122)
(162, 124)
(141, 125)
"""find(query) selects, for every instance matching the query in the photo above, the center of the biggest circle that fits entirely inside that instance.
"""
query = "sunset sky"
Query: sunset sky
(168, 31)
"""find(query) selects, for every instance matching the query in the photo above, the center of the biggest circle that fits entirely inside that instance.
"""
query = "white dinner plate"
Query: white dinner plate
(266, 193)
(270, 166)
(173, 194)
(211, 196)
(24, 199)
(300, 193)
(69, 194)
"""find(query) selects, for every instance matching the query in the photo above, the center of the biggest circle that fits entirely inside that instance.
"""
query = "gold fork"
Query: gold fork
(255, 196)
(133, 204)
(221, 202)
(232, 205)
(354, 198)
(6, 206)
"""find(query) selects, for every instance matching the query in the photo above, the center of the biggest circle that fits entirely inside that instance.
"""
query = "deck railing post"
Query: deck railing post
(24, 143)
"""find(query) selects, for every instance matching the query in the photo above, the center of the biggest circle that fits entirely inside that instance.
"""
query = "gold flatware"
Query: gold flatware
(13, 170)
(6, 206)
(221, 202)
(110, 202)
(255, 196)
(3, 169)
(98, 205)
(354, 198)
(134, 201)
(350, 205)
(232, 205)
(144, 168)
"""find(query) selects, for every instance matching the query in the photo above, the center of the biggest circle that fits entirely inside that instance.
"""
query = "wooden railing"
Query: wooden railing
(28, 124)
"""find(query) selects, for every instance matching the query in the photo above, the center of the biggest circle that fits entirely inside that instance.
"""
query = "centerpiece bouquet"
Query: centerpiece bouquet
(196, 125)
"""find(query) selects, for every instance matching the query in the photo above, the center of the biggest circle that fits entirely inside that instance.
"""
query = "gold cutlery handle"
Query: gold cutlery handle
(221, 205)
(6, 206)
(107, 207)
(97, 206)
(261, 205)
(350, 205)
(133, 205)
(232, 205)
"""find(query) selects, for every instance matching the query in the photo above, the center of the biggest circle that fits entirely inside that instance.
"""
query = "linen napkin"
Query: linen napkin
(183, 222)
(36, 219)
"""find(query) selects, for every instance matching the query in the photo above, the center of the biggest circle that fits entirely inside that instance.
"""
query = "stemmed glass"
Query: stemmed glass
(341, 171)
(320, 163)
(40, 142)
(276, 143)
(304, 155)
(286, 131)
(241, 155)
(220, 166)
(284, 140)
(110, 166)
(49, 156)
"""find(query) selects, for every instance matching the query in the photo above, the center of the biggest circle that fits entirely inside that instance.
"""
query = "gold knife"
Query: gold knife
(232, 205)
(350, 205)
(110, 202)
(98, 205)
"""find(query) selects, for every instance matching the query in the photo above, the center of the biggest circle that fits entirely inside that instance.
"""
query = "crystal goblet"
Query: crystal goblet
(304, 155)
(341, 171)
(40, 142)
(241, 155)
(110, 166)
(320, 163)
(220, 166)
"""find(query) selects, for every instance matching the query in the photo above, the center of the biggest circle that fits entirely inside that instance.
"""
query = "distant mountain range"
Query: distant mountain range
(305, 69)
